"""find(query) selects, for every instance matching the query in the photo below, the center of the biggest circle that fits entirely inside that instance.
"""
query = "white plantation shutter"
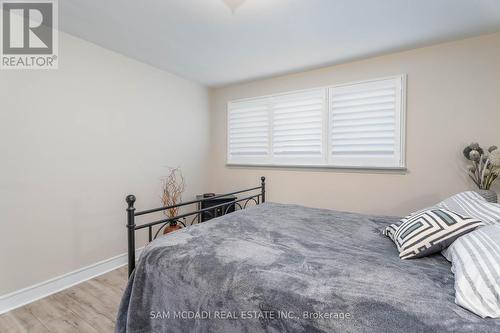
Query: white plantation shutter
(355, 125)
(297, 127)
(248, 131)
(365, 124)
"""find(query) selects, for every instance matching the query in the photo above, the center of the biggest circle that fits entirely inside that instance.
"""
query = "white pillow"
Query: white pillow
(471, 204)
(475, 259)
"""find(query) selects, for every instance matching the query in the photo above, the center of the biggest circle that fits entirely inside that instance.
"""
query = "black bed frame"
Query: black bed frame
(226, 207)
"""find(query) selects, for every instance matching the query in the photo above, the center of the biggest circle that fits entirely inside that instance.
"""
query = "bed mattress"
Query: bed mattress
(288, 268)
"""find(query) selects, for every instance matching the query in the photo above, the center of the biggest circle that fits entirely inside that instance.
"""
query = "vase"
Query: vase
(489, 195)
(172, 226)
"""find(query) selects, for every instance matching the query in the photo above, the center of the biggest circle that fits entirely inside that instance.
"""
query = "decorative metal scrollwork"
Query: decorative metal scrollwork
(196, 217)
(168, 223)
(232, 204)
(211, 214)
(251, 199)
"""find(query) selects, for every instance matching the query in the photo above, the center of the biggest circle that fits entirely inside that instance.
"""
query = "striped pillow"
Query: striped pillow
(472, 204)
(475, 261)
(429, 232)
(391, 230)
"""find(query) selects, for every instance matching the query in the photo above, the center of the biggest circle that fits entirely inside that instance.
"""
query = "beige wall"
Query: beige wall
(453, 98)
(74, 142)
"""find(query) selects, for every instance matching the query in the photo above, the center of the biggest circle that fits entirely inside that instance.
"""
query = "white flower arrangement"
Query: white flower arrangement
(485, 167)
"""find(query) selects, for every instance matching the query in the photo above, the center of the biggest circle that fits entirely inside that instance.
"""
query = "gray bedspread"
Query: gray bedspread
(287, 268)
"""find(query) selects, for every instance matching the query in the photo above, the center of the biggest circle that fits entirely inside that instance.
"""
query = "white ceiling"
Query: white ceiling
(204, 41)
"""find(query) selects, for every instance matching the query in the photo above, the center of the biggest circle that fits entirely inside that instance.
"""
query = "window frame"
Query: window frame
(327, 162)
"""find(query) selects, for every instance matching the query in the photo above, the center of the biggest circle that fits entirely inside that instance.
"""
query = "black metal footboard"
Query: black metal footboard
(225, 207)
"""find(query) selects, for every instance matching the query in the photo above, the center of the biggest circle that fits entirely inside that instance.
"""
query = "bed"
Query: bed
(288, 268)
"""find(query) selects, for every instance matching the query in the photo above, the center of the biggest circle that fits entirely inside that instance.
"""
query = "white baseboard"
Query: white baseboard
(35, 292)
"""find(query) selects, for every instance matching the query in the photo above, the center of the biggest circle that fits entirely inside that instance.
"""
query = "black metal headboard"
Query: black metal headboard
(226, 206)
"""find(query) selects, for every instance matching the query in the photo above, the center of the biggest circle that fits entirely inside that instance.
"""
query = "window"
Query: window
(351, 125)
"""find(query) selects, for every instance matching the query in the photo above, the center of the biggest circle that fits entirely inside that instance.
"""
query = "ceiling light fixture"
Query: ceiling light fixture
(234, 4)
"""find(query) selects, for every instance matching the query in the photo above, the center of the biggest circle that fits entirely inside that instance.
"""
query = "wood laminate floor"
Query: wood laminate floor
(90, 306)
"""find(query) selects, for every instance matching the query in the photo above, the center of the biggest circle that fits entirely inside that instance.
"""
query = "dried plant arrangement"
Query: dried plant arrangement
(172, 190)
(485, 167)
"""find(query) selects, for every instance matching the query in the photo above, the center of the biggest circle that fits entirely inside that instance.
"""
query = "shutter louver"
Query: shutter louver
(297, 130)
(365, 124)
(248, 131)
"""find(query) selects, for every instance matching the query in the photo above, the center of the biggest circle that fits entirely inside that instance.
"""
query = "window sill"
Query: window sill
(402, 170)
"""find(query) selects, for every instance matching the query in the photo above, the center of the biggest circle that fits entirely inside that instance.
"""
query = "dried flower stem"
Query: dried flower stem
(483, 178)
(173, 187)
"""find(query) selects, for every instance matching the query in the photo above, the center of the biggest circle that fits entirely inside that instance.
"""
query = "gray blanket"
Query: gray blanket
(287, 268)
